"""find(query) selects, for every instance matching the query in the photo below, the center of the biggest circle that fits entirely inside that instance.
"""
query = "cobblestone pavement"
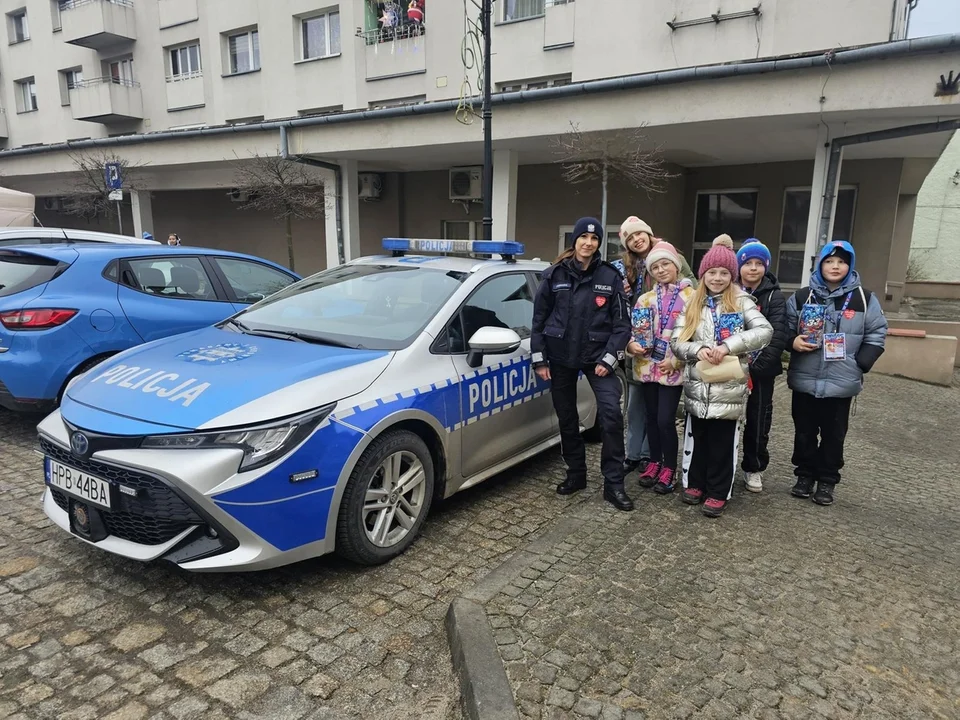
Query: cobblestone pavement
(86, 635)
(780, 609)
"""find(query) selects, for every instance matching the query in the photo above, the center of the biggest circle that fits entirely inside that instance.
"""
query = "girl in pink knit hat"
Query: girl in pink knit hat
(656, 367)
(720, 320)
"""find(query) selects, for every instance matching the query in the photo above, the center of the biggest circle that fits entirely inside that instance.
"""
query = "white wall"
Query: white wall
(935, 249)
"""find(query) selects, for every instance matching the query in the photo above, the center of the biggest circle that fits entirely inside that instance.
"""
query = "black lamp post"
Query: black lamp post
(486, 12)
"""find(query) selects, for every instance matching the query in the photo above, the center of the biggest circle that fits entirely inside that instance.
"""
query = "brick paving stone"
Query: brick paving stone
(780, 608)
(165, 638)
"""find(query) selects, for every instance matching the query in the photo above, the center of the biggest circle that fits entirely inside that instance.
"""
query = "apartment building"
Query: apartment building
(748, 101)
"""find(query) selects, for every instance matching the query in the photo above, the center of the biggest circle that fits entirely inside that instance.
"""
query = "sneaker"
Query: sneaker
(803, 489)
(713, 508)
(824, 494)
(754, 481)
(651, 473)
(629, 465)
(692, 496)
(665, 481)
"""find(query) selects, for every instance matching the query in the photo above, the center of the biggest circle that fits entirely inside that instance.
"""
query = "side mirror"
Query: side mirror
(491, 341)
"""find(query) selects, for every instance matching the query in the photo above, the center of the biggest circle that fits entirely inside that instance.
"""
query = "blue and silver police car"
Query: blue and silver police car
(328, 417)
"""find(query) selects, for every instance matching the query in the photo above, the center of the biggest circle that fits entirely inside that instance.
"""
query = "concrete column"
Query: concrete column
(142, 207)
(342, 213)
(821, 160)
(900, 252)
(350, 209)
(505, 168)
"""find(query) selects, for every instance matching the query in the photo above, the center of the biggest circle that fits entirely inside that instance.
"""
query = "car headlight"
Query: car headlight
(261, 444)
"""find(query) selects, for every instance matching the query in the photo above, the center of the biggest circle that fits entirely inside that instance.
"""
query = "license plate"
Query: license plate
(78, 484)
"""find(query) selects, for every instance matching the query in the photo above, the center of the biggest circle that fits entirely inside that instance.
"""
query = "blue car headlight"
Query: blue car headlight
(261, 444)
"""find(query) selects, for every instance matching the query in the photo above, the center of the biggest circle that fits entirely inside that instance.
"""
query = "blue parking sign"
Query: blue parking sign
(113, 176)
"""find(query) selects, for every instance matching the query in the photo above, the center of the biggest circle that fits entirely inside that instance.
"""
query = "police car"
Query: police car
(328, 417)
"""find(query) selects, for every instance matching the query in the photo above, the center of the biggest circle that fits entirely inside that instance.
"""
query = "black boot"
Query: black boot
(616, 496)
(804, 487)
(824, 494)
(630, 465)
(571, 485)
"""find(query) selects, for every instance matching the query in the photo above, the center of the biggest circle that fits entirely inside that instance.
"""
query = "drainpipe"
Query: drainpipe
(836, 159)
(338, 180)
(785, 63)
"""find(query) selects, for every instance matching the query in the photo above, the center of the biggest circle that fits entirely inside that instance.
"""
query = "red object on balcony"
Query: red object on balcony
(415, 11)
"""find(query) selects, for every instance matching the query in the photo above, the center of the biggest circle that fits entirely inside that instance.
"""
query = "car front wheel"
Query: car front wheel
(386, 500)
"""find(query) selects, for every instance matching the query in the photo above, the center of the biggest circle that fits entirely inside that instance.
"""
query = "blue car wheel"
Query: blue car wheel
(386, 500)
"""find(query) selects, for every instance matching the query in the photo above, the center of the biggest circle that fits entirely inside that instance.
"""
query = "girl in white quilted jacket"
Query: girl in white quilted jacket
(720, 321)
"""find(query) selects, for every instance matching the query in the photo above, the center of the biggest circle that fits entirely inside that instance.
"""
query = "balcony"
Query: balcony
(185, 91)
(107, 100)
(4, 132)
(98, 24)
(558, 23)
(395, 52)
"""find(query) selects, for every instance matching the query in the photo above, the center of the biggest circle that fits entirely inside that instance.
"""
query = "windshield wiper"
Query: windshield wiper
(291, 335)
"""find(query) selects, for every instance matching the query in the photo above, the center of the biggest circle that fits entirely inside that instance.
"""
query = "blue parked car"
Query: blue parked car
(64, 308)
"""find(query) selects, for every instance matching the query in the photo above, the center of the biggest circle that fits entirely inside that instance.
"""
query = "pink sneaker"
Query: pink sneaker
(665, 482)
(692, 496)
(648, 478)
(714, 508)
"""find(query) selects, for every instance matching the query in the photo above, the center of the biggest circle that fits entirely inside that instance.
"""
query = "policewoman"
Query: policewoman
(581, 323)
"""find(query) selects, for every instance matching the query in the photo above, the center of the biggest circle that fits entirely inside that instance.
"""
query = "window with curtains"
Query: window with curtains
(243, 50)
(520, 9)
(320, 35)
(26, 95)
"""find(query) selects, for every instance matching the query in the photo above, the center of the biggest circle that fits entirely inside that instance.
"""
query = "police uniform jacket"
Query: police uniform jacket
(580, 317)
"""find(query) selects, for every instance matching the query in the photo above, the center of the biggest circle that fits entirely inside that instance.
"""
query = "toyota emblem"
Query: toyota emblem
(79, 444)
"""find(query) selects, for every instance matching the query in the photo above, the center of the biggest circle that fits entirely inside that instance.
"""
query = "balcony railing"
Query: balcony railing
(71, 4)
(182, 77)
(387, 34)
(93, 82)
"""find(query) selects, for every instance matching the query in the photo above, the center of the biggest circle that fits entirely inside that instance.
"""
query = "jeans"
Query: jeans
(638, 447)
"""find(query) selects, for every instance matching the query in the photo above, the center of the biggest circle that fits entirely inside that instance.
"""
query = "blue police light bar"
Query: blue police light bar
(399, 246)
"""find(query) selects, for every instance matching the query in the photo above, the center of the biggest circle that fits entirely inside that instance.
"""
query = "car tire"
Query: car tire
(81, 369)
(595, 434)
(378, 520)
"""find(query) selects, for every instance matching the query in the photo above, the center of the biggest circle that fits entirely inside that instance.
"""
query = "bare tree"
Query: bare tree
(283, 188)
(88, 194)
(599, 157)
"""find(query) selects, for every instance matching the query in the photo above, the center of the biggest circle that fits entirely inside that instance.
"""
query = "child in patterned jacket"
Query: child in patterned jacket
(655, 366)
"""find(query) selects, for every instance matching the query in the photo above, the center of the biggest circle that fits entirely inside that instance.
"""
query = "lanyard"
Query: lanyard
(846, 303)
(712, 303)
(665, 316)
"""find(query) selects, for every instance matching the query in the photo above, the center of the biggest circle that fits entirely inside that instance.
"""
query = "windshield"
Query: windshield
(376, 307)
(22, 272)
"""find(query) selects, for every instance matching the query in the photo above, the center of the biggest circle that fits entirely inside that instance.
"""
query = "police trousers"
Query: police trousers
(608, 391)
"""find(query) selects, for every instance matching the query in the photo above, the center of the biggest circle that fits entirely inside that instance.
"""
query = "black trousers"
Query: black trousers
(661, 404)
(756, 433)
(563, 390)
(713, 461)
(828, 418)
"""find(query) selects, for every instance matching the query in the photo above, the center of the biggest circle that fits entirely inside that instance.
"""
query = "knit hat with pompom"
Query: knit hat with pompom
(719, 256)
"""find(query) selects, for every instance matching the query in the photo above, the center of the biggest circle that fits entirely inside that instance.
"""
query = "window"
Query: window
(69, 80)
(22, 272)
(26, 95)
(55, 7)
(733, 212)
(505, 302)
(18, 28)
(610, 249)
(535, 84)
(184, 62)
(251, 281)
(320, 36)
(121, 71)
(244, 52)
(183, 278)
(793, 230)
(388, 20)
(520, 9)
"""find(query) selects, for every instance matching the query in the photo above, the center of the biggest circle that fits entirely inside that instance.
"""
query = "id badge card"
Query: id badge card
(659, 353)
(834, 346)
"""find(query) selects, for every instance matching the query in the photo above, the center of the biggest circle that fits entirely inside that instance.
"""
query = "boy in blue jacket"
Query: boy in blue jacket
(826, 372)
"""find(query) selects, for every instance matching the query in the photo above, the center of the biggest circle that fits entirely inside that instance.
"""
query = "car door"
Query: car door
(248, 281)
(504, 407)
(163, 296)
